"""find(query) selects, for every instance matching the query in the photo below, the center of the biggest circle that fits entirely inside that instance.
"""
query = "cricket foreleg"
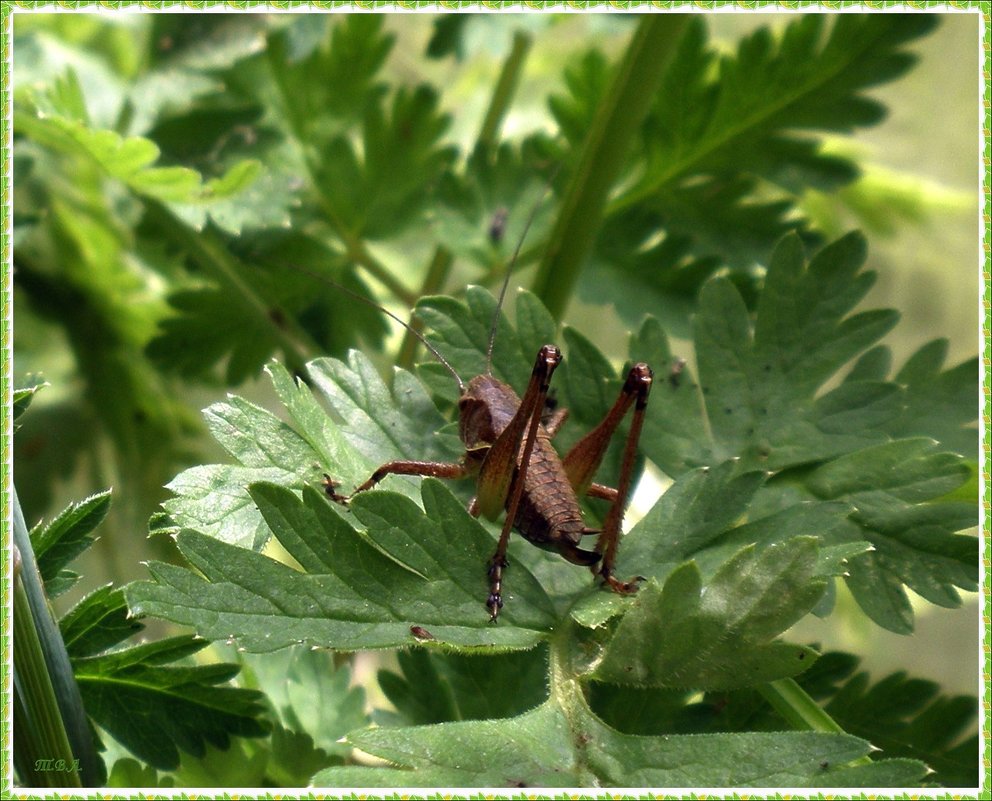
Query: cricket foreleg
(583, 460)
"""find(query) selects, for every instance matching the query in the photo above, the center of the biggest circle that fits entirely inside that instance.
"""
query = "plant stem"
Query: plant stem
(499, 104)
(793, 703)
(434, 280)
(40, 736)
(619, 116)
(53, 723)
(506, 88)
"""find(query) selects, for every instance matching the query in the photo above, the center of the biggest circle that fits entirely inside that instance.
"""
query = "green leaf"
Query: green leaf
(98, 622)
(154, 709)
(293, 759)
(380, 192)
(759, 393)
(355, 596)
(542, 748)
(904, 716)
(129, 772)
(729, 147)
(801, 79)
(64, 538)
(23, 396)
(938, 402)
(893, 487)
(434, 687)
(311, 697)
(720, 638)
(131, 159)
(909, 717)
(759, 397)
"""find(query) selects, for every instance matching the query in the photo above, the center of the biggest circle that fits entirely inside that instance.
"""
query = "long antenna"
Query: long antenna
(509, 270)
(423, 340)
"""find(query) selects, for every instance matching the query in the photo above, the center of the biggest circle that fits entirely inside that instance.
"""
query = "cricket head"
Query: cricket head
(485, 408)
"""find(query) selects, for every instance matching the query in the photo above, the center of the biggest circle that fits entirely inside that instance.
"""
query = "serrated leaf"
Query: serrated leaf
(678, 636)
(504, 185)
(758, 392)
(130, 160)
(939, 404)
(434, 687)
(429, 573)
(731, 143)
(129, 772)
(98, 622)
(893, 488)
(905, 716)
(64, 538)
(23, 396)
(542, 748)
(155, 709)
(314, 706)
(378, 190)
(800, 79)
(293, 758)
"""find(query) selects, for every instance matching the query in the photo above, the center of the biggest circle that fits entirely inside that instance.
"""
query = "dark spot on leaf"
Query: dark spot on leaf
(824, 764)
(497, 225)
(728, 410)
(421, 633)
(276, 315)
(802, 655)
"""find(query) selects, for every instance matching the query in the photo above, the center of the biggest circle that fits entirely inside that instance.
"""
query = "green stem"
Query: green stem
(621, 111)
(434, 280)
(793, 703)
(41, 742)
(360, 255)
(499, 103)
(54, 730)
(506, 88)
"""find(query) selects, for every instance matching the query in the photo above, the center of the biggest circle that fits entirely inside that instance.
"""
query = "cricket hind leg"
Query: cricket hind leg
(583, 460)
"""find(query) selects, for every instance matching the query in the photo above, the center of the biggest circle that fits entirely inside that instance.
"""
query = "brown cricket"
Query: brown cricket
(508, 451)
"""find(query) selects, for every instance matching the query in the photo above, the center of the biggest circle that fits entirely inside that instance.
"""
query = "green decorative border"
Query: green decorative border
(7, 10)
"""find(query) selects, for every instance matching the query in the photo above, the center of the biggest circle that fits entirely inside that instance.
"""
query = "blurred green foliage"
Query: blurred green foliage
(185, 183)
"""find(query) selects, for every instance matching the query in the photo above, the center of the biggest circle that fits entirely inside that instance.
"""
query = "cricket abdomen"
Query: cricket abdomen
(549, 514)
